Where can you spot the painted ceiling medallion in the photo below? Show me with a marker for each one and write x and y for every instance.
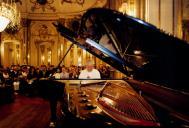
(80, 6)
(42, 4)
(80, 2)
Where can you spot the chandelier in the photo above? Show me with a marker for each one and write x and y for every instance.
(9, 15)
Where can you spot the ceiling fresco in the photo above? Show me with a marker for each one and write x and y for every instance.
(56, 8)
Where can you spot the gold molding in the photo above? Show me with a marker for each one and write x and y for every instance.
(159, 15)
(173, 24)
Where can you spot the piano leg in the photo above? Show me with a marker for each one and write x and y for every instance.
(53, 109)
(53, 91)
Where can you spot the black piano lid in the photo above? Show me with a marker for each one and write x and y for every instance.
(141, 50)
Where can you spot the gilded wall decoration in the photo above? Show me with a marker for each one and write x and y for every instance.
(79, 2)
(185, 26)
(44, 33)
(42, 4)
(185, 20)
(44, 43)
(17, 1)
(128, 7)
(185, 9)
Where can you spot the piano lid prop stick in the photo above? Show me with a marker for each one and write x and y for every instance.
(65, 54)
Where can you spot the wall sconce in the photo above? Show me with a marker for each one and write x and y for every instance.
(128, 7)
(49, 56)
(42, 59)
(28, 56)
(79, 61)
(123, 8)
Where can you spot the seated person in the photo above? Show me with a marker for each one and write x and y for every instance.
(89, 72)
(5, 74)
(64, 74)
(57, 74)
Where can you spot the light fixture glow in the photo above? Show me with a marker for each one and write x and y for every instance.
(128, 8)
(42, 58)
(28, 56)
(9, 15)
(3, 23)
(137, 52)
(123, 8)
(79, 61)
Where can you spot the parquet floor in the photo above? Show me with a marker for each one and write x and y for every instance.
(25, 112)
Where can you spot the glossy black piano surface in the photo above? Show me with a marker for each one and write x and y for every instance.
(155, 64)
(142, 50)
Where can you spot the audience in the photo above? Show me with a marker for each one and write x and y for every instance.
(26, 72)
(64, 74)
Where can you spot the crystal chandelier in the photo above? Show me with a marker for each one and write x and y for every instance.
(9, 15)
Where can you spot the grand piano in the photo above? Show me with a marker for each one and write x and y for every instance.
(155, 91)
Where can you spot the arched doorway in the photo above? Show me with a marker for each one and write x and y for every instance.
(10, 53)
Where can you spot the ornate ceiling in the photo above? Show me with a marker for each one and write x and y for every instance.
(53, 9)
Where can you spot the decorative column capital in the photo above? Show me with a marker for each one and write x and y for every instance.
(25, 22)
